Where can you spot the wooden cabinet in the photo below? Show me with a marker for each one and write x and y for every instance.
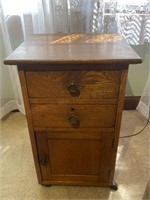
(73, 91)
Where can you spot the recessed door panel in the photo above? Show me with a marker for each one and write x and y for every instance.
(75, 156)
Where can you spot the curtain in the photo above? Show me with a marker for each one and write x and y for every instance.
(10, 91)
(130, 18)
(144, 104)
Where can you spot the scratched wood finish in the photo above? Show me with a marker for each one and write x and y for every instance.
(91, 84)
(93, 116)
(30, 125)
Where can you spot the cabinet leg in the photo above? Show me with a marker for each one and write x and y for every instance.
(114, 186)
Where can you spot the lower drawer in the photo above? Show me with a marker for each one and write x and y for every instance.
(68, 116)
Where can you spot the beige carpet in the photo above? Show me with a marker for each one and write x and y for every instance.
(17, 174)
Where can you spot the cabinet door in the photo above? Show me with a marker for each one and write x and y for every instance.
(75, 157)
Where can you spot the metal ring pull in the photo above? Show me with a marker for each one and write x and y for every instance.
(74, 121)
(73, 89)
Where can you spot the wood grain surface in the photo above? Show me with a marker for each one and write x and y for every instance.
(87, 48)
(91, 84)
(93, 116)
(71, 159)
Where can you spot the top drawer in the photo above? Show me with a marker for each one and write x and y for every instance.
(73, 85)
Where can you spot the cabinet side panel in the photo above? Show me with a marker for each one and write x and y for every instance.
(106, 154)
(118, 122)
(29, 121)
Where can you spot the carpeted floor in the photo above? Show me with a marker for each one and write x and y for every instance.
(17, 173)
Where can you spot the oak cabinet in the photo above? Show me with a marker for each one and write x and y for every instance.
(73, 88)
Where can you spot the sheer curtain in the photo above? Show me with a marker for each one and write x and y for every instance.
(10, 91)
(130, 18)
(144, 104)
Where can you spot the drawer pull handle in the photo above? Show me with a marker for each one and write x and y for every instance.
(74, 121)
(73, 90)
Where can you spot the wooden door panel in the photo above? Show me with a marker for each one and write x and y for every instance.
(84, 157)
(74, 157)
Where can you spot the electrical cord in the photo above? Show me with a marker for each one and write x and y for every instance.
(148, 120)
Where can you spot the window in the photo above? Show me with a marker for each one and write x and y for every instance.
(17, 7)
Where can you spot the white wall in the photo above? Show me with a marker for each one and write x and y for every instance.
(138, 73)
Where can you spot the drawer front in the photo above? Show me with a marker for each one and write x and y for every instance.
(79, 85)
(61, 116)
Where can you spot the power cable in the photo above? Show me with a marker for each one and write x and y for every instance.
(148, 120)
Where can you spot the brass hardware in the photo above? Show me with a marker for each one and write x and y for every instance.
(73, 89)
(74, 121)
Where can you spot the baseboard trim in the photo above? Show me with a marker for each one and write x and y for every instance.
(131, 102)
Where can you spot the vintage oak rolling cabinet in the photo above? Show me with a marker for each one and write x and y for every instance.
(73, 88)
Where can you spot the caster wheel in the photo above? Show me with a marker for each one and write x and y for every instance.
(114, 186)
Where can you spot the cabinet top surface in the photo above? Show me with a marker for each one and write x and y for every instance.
(73, 48)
